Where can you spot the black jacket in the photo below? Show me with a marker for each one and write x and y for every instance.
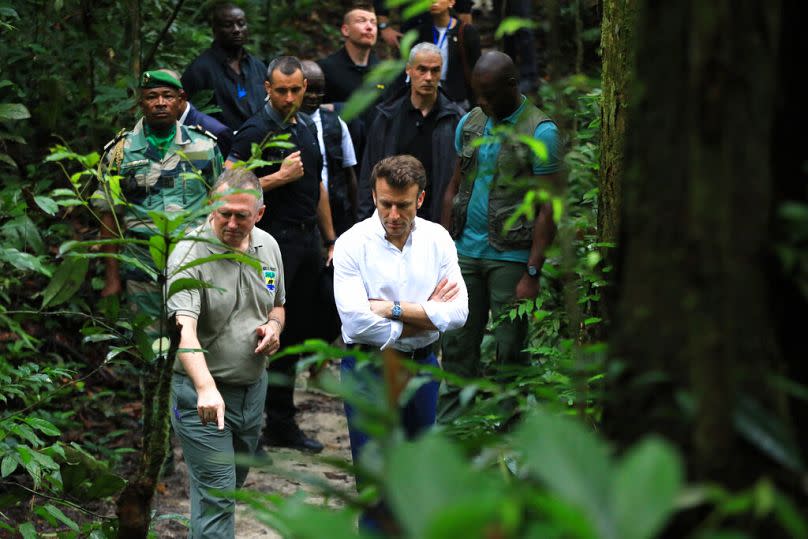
(224, 135)
(382, 142)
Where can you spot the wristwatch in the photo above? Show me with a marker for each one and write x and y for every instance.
(382, 25)
(396, 312)
(532, 271)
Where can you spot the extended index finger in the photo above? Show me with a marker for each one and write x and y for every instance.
(220, 417)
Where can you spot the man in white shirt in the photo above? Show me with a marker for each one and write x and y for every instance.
(397, 284)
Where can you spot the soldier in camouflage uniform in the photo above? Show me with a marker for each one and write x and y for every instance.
(163, 166)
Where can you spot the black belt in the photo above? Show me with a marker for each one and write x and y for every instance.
(419, 354)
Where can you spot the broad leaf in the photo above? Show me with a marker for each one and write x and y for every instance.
(187, 283)
(158, 251)
(67, 280)
(46, 204)
(579, 465)
(13, 111)
(44, 426)
(429, 478)
(646, 485)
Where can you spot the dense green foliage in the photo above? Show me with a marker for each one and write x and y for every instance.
(505, 463)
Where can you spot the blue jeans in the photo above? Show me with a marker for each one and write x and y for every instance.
(416, 417)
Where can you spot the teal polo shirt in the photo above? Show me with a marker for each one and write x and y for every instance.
(473, 242)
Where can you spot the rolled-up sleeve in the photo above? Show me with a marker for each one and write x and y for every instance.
(359, 323)
(447, 315)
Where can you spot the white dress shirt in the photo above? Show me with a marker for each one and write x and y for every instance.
(367, 266)
(348, 153)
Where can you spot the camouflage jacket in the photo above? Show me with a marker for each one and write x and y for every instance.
(179, 181)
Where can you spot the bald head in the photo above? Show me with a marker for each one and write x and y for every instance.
(495, 82)
(311, 70)
(315, 89)
(498, 65)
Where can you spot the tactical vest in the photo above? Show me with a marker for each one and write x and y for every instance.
(341, 211)
(295, 202)
(510, 183)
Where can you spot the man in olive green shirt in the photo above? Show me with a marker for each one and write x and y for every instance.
(226, 331)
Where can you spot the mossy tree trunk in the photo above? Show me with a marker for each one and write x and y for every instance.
(698, 332)
(617, 35)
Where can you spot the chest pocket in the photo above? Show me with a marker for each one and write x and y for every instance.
(138, 179)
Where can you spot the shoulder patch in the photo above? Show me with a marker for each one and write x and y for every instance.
(122, 133)
(200, 129)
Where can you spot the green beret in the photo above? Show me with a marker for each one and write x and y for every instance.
(158, 79)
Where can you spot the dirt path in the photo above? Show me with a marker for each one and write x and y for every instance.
(319, 415)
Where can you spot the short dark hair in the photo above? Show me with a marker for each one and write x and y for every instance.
(217, 7)
(364, 6)
(399, 171)
(286, 64)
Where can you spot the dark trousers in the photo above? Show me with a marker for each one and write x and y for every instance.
(300, 251)
(416, 416)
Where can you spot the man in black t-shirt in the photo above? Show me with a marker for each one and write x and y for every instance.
(297, 204)
(236, 77)
(345, 69)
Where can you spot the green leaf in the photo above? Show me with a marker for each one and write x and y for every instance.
(27, 531)
(99, 337)
(10, 463)
(5, 158)
(13, 111)
(768, 433)
(46, 204)
(158, 251)
(648, 481)
(415, 8)
(360, 100)
(430, 477)
(581, 465)
(67, 280)
(237, 257)
(511, 25)
(45, 427)
(24, 261)
(60, 516)
(186, 283)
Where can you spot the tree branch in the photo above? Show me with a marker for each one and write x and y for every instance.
(169, 22)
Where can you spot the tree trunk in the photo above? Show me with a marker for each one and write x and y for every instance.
(617, 35)
(696, 324)
(134, 39)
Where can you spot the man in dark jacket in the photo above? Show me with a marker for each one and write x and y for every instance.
(419, 121)
(235, 77)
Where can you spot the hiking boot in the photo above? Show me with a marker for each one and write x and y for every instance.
(293, 438)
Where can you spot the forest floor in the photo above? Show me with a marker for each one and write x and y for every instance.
(321, 416)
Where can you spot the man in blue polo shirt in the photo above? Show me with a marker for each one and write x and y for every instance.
(490, 181)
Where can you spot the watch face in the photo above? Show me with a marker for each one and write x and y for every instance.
(532, 271)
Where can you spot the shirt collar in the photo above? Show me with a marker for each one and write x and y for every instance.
(275, 117)
(138, 137)
(514, 116)
(221, 56)
(185, 113)
(378, 228)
